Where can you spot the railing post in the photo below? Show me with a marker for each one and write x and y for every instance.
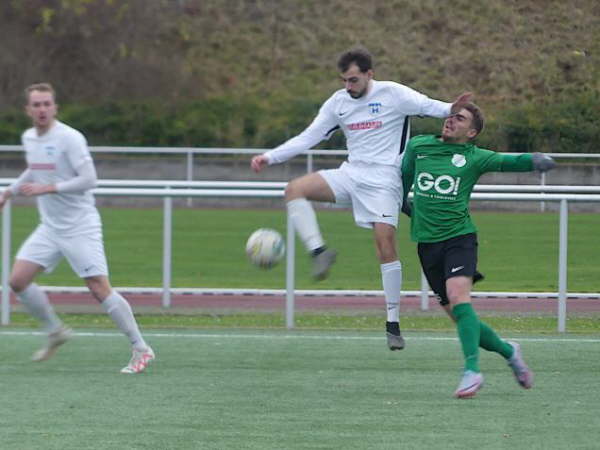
(562, 266)
(290, 259)
(190, 172)
(309, 163)
(424, 293)
(167, 234)
(6, 231)
(542, 184)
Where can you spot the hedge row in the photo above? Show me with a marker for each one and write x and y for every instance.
(571, 126)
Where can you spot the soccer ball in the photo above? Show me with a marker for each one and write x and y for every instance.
(265, 248)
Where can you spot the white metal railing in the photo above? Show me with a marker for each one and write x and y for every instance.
(189, 152)
(168, 193)
(278, 185)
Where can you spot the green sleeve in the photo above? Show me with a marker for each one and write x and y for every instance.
(408, 169)
(498, 162)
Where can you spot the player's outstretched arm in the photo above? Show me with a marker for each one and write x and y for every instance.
(542, 163)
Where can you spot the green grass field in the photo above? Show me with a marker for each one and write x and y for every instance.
(518, 252)
(305, 390)
(242, 381)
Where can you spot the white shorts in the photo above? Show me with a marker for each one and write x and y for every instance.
(84, 252)
(374, 191)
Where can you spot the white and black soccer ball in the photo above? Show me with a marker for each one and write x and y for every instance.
(265, 248)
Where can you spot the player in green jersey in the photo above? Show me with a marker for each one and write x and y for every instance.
(444, 170)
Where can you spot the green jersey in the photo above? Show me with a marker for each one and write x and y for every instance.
(444, 175)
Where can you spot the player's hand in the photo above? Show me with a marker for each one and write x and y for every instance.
(543, 162)
(30, 189)
(259, 162)
(461, 100)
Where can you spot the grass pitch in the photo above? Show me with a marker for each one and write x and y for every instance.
(518, 252)
(302, 390)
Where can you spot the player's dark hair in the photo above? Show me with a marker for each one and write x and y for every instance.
(42, 87)
(478, 119)
(359, 56)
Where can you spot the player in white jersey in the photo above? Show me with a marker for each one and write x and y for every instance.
(60, 173)
(374, 116)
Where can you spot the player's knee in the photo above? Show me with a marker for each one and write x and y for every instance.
(99, 287)
(458, 294)
(18, 284)
(386, 255)
(458, 290)
(386, 249)
(293, 190)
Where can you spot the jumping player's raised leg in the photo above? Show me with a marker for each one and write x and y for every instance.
(298, 194)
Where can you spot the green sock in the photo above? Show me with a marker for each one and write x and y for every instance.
(490, 341)
(467, 324)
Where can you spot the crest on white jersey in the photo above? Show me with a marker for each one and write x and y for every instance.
(375, 107)
(458, 160)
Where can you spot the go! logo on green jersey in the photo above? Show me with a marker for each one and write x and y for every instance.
(444, 184)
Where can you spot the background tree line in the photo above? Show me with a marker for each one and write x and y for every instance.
(250, 73)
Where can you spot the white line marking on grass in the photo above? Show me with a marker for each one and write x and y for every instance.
(109, 334)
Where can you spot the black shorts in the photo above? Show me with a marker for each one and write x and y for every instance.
(453, 257)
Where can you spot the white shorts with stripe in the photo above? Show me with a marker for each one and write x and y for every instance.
(373, 190)
(84, 252)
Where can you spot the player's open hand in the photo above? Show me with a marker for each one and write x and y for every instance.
(259, 162)
(461, 100)
(30, 189)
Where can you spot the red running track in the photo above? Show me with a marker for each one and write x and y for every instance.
(583, 306)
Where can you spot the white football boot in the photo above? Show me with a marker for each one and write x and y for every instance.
(139, 361)
(55, 340)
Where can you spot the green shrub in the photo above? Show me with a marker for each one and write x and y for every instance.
(569, 125)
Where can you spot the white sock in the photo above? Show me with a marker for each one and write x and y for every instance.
(391, 276)
(119, 310)
(37, 304)
(304, 219)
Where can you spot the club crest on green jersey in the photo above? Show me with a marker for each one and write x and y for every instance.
(458, 160)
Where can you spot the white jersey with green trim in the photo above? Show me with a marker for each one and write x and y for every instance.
(51, 158)
(376, 125)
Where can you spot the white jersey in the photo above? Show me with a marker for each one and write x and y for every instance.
(54, 157)
(376, 125)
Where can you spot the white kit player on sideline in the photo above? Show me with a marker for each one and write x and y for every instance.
(374, 116)
(60, 173)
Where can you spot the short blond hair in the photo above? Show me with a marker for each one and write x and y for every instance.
(41, 87)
